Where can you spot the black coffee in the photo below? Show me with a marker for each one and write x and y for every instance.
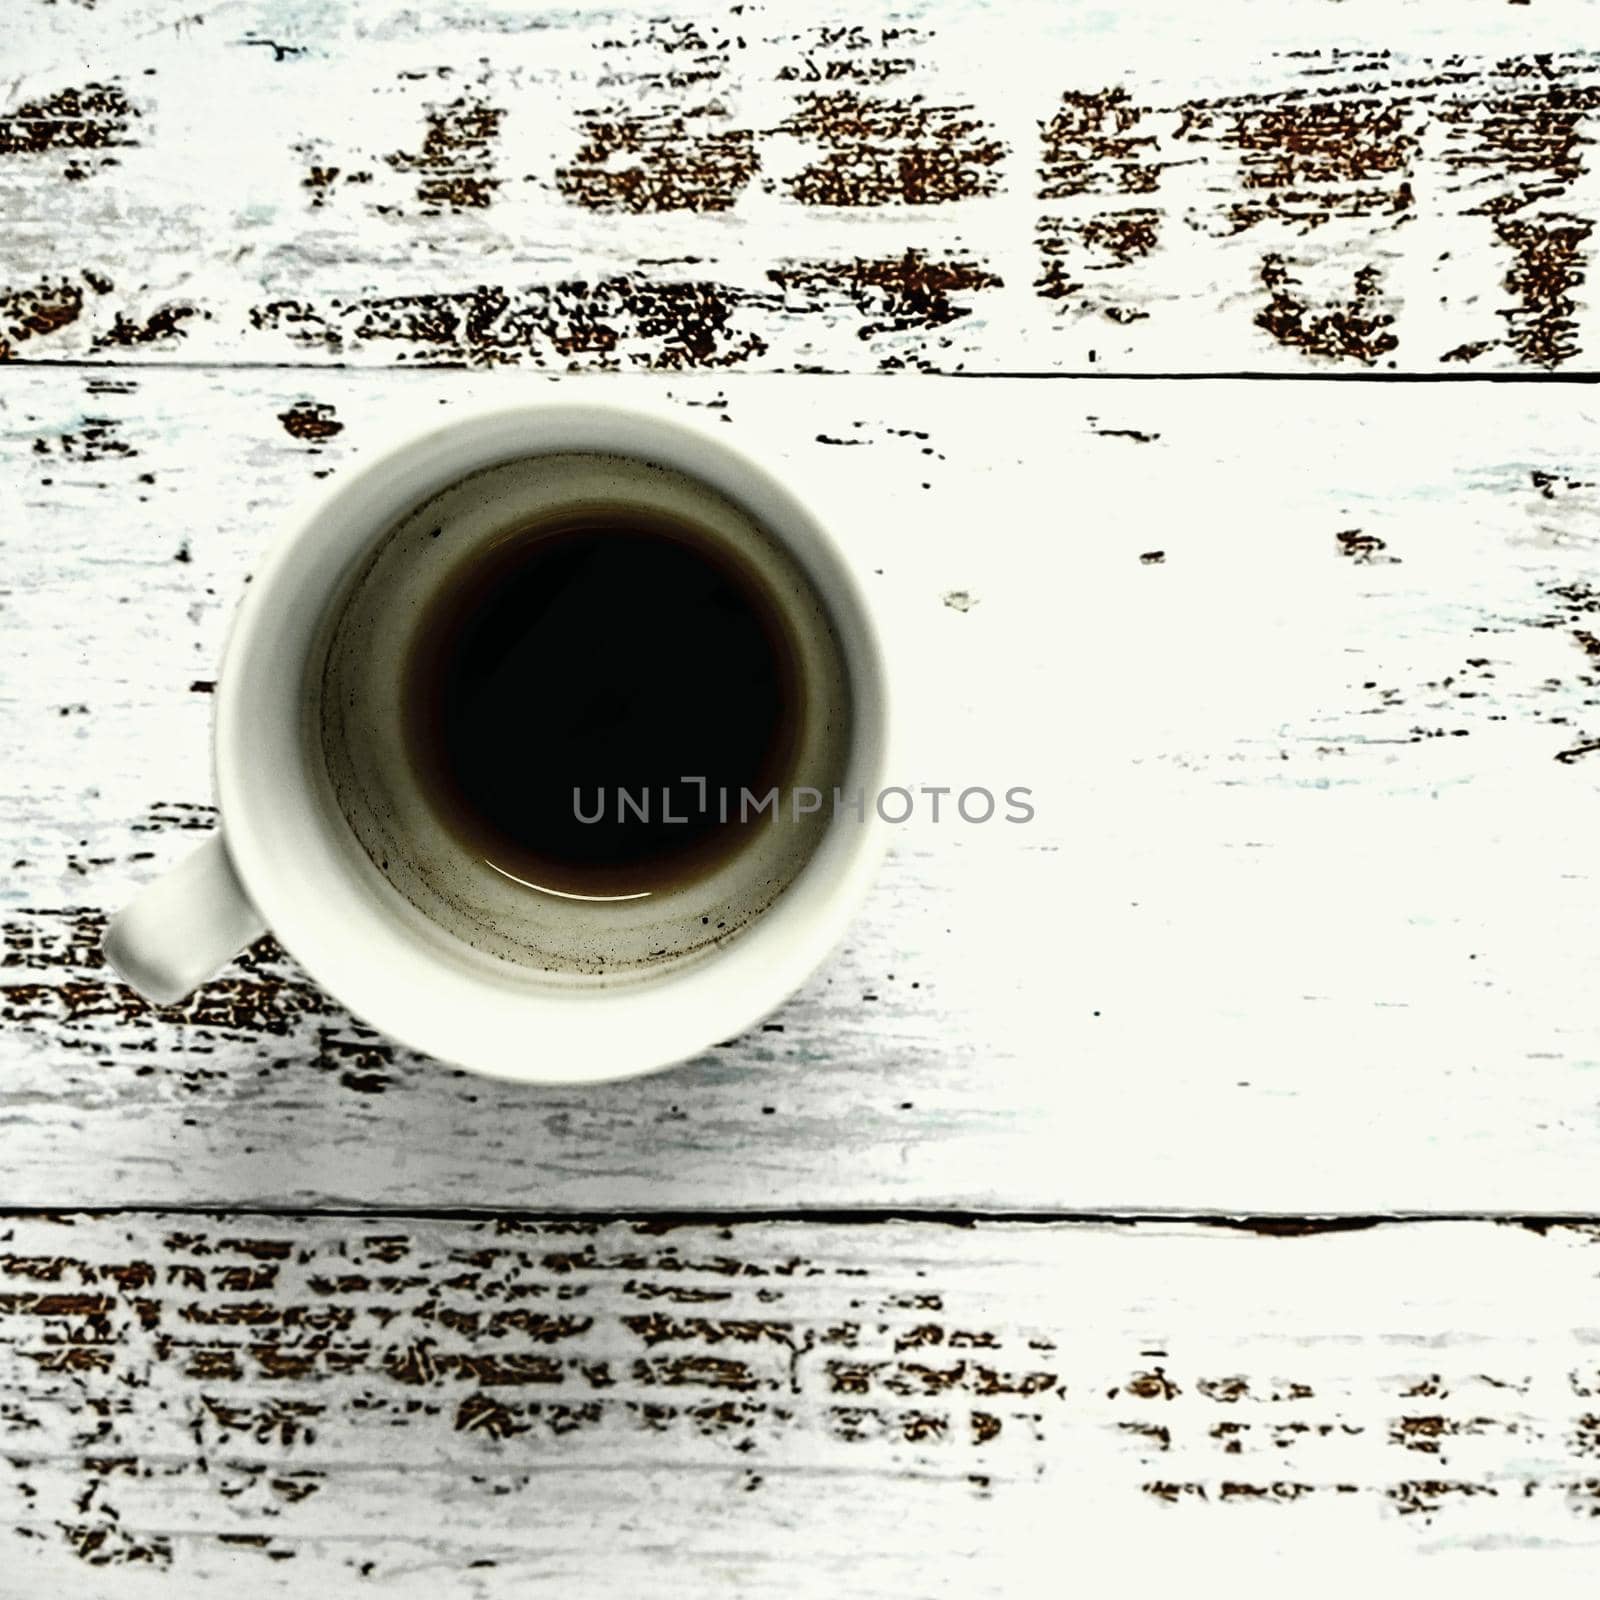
(608, 652)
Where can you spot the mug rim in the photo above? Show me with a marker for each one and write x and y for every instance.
(356, 936)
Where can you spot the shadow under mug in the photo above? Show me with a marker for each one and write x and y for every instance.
(287, 857)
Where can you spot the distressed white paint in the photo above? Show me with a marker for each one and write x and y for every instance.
(1277, 940)
(303, 1405)
(208, 207)
(1305, 921)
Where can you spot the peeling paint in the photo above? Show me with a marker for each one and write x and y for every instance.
(881, 152)
(897, 294)
(648, 161)
(455, 165)
(37, 311)
(611, 323)
(164, 323)
(1095, 144)
(95, 117)
(311, 421)
(1355, 329)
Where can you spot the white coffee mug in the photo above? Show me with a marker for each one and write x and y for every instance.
(434, 963)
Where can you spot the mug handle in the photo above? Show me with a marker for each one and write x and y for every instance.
(183, 928)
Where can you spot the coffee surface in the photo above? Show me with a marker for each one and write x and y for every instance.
(586, 700)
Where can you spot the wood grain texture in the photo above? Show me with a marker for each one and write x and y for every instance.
(293, 1405)
(1305, 691)
(1304, 679)
(939, 185)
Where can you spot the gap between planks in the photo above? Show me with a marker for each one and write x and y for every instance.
(667, 379)
(1281, 1225)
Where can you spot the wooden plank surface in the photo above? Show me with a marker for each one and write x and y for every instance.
(1305, 691)
(1303, 677)
(1039, 186)
(294, 1405)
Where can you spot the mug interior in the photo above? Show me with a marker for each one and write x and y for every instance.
(356, 681)
(403, 965)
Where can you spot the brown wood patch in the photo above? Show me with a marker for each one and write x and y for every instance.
(659, 161)
(96, 117)
(881, 151)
